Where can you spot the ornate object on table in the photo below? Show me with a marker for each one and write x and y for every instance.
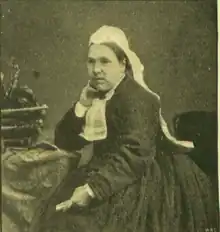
(22, 117)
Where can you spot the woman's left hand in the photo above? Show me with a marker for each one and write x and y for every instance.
(80, 198)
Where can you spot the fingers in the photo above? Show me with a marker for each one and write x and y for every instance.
(86, 97)
(80, 198)
(64, 206)
(90, 92)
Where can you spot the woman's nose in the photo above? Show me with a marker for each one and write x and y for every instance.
(97, 68)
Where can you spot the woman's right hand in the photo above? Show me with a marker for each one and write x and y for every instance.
(87, 96)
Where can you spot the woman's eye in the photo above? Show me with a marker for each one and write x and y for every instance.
(90, 61)
(105, 61)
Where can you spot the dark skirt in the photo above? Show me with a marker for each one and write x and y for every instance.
(174, 195)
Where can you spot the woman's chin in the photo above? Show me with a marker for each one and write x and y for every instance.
(103, 87)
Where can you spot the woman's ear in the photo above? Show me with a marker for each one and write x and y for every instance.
(123, 65)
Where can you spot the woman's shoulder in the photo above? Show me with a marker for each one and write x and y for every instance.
(132, 100)
(132, 92)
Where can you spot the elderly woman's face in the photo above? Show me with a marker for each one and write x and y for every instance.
(104, 68)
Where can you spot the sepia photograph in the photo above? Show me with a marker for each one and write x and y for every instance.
(109, 117)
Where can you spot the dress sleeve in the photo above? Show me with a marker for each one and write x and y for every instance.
(68, 129)
(133, 152)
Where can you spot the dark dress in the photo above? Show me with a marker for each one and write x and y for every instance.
(140, 184)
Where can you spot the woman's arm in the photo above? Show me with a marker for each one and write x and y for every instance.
(68, 129)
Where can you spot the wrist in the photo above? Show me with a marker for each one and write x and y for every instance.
(80, 110)
(89, 191)
(85, 103)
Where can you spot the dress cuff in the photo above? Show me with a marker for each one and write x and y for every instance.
(80, 110)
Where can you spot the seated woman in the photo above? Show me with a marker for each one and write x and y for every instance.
(134, 182)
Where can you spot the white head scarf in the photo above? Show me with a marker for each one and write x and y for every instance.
(110, 34)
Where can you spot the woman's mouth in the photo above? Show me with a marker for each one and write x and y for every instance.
(98, 80)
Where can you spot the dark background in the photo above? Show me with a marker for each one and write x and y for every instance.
(176, 41)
